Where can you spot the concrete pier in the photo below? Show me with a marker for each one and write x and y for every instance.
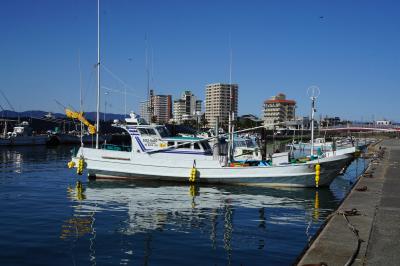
(375, 201)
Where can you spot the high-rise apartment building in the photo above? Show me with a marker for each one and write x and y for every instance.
(162, 108)
(278, 109)
(158, 109)
(220, 100)
(187, 107)
(145, 111)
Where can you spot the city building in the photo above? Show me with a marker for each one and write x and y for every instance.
(299, 123)
(278, 109)
(145, 112)
(186, 108)
(220, 100)
(330, 121)
(383, 123)
(158, 109)
(248, 121)
(162, 106)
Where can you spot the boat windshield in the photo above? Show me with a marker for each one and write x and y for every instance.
(245, 143)
(147, 131)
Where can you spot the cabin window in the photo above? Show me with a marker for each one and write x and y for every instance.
(196, 146)
(121, 143)
(147, 131)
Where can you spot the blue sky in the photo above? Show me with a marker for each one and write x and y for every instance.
(350, 49)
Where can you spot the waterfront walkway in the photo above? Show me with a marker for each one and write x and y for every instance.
(373, 209)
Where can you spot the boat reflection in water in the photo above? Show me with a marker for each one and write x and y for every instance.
(182, 224)
(21, 159)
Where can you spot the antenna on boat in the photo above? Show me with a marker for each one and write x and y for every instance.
(125, 101)
(313, 93)
(98, 76)
(149, 94)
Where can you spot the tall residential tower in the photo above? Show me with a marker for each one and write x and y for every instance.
(220, 100)
(158, 109)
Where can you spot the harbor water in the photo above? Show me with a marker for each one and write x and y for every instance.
(42, 222)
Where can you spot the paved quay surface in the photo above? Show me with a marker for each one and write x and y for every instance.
(376, 200)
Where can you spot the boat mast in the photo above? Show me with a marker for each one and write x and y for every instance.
(231, 114)
(98, 76)
(312, 124)
(80, 94)
(149, 94)
(313, 92)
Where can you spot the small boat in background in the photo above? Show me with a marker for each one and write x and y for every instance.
(22, 134)
(71, 139)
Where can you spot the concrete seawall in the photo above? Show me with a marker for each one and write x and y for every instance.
(365, 230)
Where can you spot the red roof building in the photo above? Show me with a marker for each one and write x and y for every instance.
(278, 109)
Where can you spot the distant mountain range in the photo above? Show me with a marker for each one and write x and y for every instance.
(41, 114)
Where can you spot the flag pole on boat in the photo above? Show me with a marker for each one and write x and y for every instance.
(313, 92)
(98, 76)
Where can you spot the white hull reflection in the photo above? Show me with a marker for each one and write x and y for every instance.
(153, 207)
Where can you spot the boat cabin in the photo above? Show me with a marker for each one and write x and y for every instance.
(22, 129)
(146, 138)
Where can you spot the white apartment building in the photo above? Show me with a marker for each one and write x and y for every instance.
(162, 106)
(220, 100)
(278, 109)
(158, 109)
(186, 108)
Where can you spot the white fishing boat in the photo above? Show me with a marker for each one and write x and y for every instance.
(330, 147)
(22, 135)
(154, 155)
(319, 143)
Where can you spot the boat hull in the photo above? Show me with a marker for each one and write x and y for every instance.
(24, 141)
(124, 165)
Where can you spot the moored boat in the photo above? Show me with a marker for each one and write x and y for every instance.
(22, 135)
(154, 155)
